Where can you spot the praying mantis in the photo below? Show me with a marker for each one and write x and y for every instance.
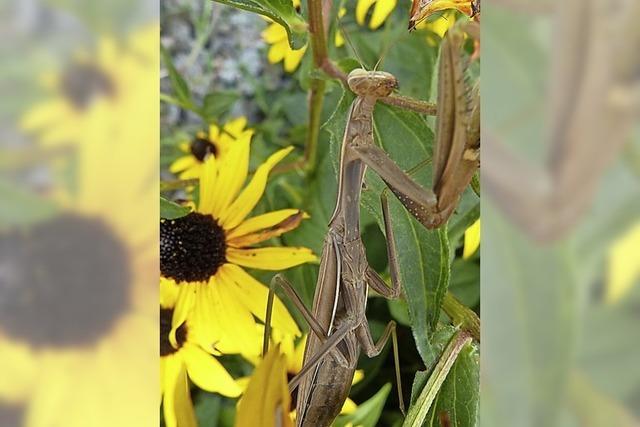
(338, 323)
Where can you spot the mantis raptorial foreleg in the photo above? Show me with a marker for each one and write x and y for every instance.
(457, 147)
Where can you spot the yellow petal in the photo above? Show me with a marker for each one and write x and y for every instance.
(208, 181)
(254, 294)
(232, 172)
(248, 198)
(471, 240)
(178, 409)
(214, 132)
(223, 321)
(292, 59)
(236, 126)
(207, 373)
(339, 40)
(274, 33)
(361, 10)
(169, 292)
(276, 229)
(261, 222)
(267, 396)
(277, 52)
(183, 163)
(349, 407)
(381, 12)
(623, 266)
(270, 258)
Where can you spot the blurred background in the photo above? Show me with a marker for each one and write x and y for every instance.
(78, 185)
(561, 216)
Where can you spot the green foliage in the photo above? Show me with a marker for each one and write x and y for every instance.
(171, 210)
(22, 207)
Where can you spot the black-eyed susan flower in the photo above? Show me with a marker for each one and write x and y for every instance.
(381, 11)
(96, 96)
(214, 143)
(184, 358)
(266, 401)
(206, 251)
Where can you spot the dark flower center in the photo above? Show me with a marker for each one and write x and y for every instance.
(201, 148)
(64, 282)
(166, 314)
(11, 414)
(82, 83)
(192, 248)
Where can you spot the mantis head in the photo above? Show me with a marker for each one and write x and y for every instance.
(378, 83)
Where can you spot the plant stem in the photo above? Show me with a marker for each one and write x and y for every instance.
(316, 101)
(318, 86)
(418, 412)
(461, 315)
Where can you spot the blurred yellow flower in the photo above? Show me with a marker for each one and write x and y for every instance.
(266, 401)
(276, 36)
(189, 358)
(205, 251)
(216, 143)
(339, 39)
(381, 11)
(623, 271)
(439, 27)
(97, 96)
(471, 240)
(77, 332)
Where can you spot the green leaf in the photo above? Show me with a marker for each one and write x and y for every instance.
(281, 11)
(22, 207)
(178, 83)
(214, 105)
(171, 210)
(368, 413)
(435, 393)
(459, 395)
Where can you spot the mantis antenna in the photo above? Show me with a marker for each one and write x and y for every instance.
(346, 36)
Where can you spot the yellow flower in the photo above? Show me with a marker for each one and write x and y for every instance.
(94, 95)
(623, 266)
(77, 332)
(216, 143)
(339, 39)
(276, 36)
(381, 11)
(471, 240)
(186, 359)
(266, 402)
(205, 252)
(422, 9)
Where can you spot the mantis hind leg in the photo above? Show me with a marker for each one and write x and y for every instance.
(373, 349)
